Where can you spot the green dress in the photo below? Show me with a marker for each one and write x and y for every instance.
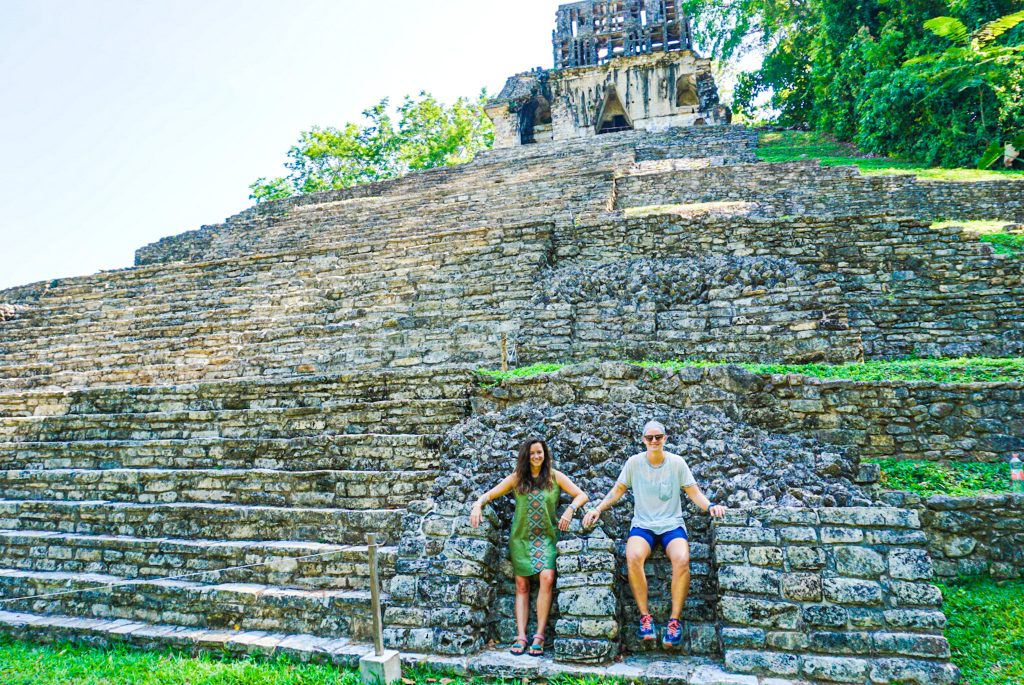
(534, 531)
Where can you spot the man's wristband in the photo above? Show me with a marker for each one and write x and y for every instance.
(710, 504)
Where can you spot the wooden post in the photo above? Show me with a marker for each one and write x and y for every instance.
(378, 628)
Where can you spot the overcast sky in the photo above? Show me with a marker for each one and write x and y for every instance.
(123, 121)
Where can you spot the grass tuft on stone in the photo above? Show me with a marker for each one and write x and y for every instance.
(792, 146)
(958, 370)
(986, 630)
(928, 478)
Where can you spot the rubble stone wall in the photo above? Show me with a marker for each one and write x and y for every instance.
(971, 536)
(890, 419)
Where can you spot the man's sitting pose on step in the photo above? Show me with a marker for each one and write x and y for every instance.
(656, 477)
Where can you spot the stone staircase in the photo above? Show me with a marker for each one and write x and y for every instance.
(152, 490)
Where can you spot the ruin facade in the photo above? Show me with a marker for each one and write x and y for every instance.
(619, 66)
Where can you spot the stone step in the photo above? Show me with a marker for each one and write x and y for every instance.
(321, 349)
(350, 256)
(306, 565)
(245, 393)
(386, 305)
(361, 452)
(647, 669)
(251, 487)
(237, 606)
(394, 417)
(203, 521)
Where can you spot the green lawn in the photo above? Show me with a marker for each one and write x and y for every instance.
(986, 630)
(790, 146)
(965, 369)
(930, 478)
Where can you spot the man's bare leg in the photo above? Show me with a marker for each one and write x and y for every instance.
(637, 551)
(678, 552)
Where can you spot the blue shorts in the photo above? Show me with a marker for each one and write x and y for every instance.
(658, 538)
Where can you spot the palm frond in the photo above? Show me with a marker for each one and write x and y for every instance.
(997, 27)
(951, 28)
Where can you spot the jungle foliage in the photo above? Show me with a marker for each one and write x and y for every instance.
(871, 73)
(426, 134)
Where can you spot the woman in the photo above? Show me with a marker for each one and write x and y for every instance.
(532, 542)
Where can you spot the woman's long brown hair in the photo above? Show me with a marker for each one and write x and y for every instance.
(527, 482)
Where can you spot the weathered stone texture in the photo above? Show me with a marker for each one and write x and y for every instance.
(830, 620)
(912, 420)
(968, 536)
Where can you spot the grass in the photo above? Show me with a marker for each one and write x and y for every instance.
(986, 630)
(927, 478)
(960, 370)
(789, 146)
(25, 663)
(1006, 243)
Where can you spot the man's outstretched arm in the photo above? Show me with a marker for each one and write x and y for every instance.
(698, 498)
(613, 496)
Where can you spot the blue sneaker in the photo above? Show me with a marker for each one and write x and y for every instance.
(673, 634)
(647, 632)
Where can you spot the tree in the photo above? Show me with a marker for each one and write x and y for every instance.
(974, 60)
(841, 66)
(427, 135)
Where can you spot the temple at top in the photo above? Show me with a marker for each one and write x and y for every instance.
(619, 65)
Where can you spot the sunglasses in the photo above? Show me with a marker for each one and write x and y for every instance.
(654, 438)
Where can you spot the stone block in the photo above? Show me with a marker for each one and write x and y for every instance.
(730, 554)
(849, 591)
(913, 672)
(762, 662)
(766, 556)
(585, 651)
(383, 669)
(805, 558)
(841, 642)
(835, 534)
(910, 564)
(759, 613)
(908, 594)
(910, 644)
(798, 534)
(825, 615)
(748, 579)
(835, 669)
(877, 517)
(743, 638)
(858, 562)
(598, 602)
(802, 587)
(787, 641)
(915, 619)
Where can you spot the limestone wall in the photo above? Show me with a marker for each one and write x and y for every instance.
(910, 289)
(830, 594)
(971, 536)
(799, 188)
(909, 420)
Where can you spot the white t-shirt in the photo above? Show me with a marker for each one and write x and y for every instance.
(657, 492)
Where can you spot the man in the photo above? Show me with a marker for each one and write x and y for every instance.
(656, 477)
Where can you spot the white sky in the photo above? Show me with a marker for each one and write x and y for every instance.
(123, 121)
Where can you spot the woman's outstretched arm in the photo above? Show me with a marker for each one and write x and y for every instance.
(579, 498)
(502, 488)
